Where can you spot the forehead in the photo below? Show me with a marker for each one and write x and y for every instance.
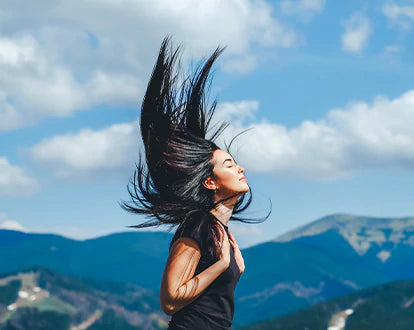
(220, 155)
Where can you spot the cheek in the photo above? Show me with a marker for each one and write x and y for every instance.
(229, 178)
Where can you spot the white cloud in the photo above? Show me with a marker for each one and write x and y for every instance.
(61, 59)
(242, 64)
(89, 150)
(346, 141)
(8, 224)
(393, 53)
(11, 225)
(70, 231)
(33, 85)
(114, 147)
(392, 49)
(361, 136)
(14, 180)
(357, 31)
(305, 9)
(401, 16)
(236, 112)
(84, 232)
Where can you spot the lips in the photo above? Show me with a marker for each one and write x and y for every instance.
(242, 178)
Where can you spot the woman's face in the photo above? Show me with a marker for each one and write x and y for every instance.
(229, 177)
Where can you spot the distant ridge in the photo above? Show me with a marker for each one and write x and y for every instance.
(360, 231)
(116, 257)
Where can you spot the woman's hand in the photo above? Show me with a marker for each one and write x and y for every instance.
(237, 253)
(225, 247)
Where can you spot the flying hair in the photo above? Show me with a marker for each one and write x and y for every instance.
(167, 185)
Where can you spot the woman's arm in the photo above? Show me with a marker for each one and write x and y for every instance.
(178, 287)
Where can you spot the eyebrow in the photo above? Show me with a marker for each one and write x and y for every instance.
(227, 160)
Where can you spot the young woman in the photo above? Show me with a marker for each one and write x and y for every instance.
(190, 182)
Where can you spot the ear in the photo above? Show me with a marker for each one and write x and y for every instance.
(209, 184)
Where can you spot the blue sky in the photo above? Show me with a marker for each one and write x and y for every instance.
(326, 85)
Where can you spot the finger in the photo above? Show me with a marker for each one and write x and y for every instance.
(219, 234)
(234, 241)
(232, 238)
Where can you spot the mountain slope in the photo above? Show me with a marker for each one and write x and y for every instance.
(327, 258)
(42, 299)
(117, 257)
(283, 277)
(384, 243)
(389, 306)
(361, 232)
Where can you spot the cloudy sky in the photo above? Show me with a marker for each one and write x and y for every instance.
(325, 86)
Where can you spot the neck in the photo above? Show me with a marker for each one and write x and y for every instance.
(223, 211)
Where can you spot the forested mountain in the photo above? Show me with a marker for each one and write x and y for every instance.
(383, 307)
(40, 299)
(328, 258)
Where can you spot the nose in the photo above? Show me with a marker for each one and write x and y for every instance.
(241, 169)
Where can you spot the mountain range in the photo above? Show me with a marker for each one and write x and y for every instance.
(327, 258)
(331, 257)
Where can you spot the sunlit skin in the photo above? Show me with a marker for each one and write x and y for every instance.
(226, 182)
(229, 179)
(179, 286)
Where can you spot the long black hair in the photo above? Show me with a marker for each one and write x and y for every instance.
(168, 186)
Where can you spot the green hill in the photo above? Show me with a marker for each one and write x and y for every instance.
(38, 298)
(383, 307)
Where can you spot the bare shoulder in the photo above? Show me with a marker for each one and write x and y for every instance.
(180, 268)
(185, 244)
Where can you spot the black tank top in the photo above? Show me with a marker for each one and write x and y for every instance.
(214, 307)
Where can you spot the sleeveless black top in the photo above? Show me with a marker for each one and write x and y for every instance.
(214, 307)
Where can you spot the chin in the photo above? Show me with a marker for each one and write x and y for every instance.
(245, 190)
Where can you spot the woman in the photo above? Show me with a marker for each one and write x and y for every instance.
(192, 183)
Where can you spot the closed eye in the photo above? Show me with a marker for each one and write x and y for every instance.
(230, 160)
